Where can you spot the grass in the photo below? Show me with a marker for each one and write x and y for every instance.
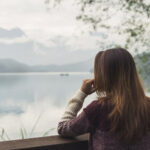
(4, 136)
(23, 132)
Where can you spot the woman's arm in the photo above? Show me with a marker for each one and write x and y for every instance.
(70, 124)
(74, 105)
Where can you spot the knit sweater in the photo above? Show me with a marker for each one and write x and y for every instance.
(93, 120)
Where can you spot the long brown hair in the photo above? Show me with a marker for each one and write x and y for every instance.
(115, 73)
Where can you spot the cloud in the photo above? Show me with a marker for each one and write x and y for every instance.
(54, 50)
(37, 49)
(48, 37)
(32, 17)
(12, 33)
(12, 36)
(22, 39)
(33, 53)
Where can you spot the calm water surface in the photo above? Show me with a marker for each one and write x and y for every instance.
(33, 103)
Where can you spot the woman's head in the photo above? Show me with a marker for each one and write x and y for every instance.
(115, 73)
(114, 68)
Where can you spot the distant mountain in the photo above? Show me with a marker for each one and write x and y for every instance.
(83, 66)
(10, 65)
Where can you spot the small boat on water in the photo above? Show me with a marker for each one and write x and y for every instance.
(64, 74)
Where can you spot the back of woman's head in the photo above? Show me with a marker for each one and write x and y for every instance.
(115, 73)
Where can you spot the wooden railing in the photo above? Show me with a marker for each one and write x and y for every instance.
(47, 143)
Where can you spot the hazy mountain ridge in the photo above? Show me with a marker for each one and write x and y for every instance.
(13, 66)
(10, 65)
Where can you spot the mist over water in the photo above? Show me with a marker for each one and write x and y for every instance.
(26, 97)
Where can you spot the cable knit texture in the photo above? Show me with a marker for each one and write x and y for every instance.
(73, 106)
(93, 120)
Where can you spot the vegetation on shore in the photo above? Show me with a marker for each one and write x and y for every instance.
(24, 133)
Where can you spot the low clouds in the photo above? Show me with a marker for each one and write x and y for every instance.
(12, 33)
(55, 50)
(32, 35)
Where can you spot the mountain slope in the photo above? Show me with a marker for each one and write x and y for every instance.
(10, 65)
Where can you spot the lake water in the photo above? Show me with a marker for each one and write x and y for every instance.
(31, 104)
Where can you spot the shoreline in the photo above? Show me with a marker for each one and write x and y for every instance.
(43, 73)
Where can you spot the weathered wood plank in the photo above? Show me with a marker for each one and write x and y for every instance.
(47, 143)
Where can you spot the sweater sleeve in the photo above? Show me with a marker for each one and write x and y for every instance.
(74, 127)
(74, 105)
(70, 124)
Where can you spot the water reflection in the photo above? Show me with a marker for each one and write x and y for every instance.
(25, 97)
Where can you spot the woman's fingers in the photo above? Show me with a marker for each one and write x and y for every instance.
(88, 86)
(89, 80)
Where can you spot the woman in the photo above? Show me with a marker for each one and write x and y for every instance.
(119, 118)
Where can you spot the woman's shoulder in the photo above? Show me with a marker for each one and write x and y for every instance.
(99, 103)
(96, 107)
(96, 111)
(92, 106)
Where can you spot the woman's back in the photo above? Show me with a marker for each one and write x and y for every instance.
(100, 137)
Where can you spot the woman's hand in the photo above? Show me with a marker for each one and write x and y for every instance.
(88, 86)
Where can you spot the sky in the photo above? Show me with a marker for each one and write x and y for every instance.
(32, 34)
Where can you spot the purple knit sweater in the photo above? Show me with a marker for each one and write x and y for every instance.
(93, 120)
